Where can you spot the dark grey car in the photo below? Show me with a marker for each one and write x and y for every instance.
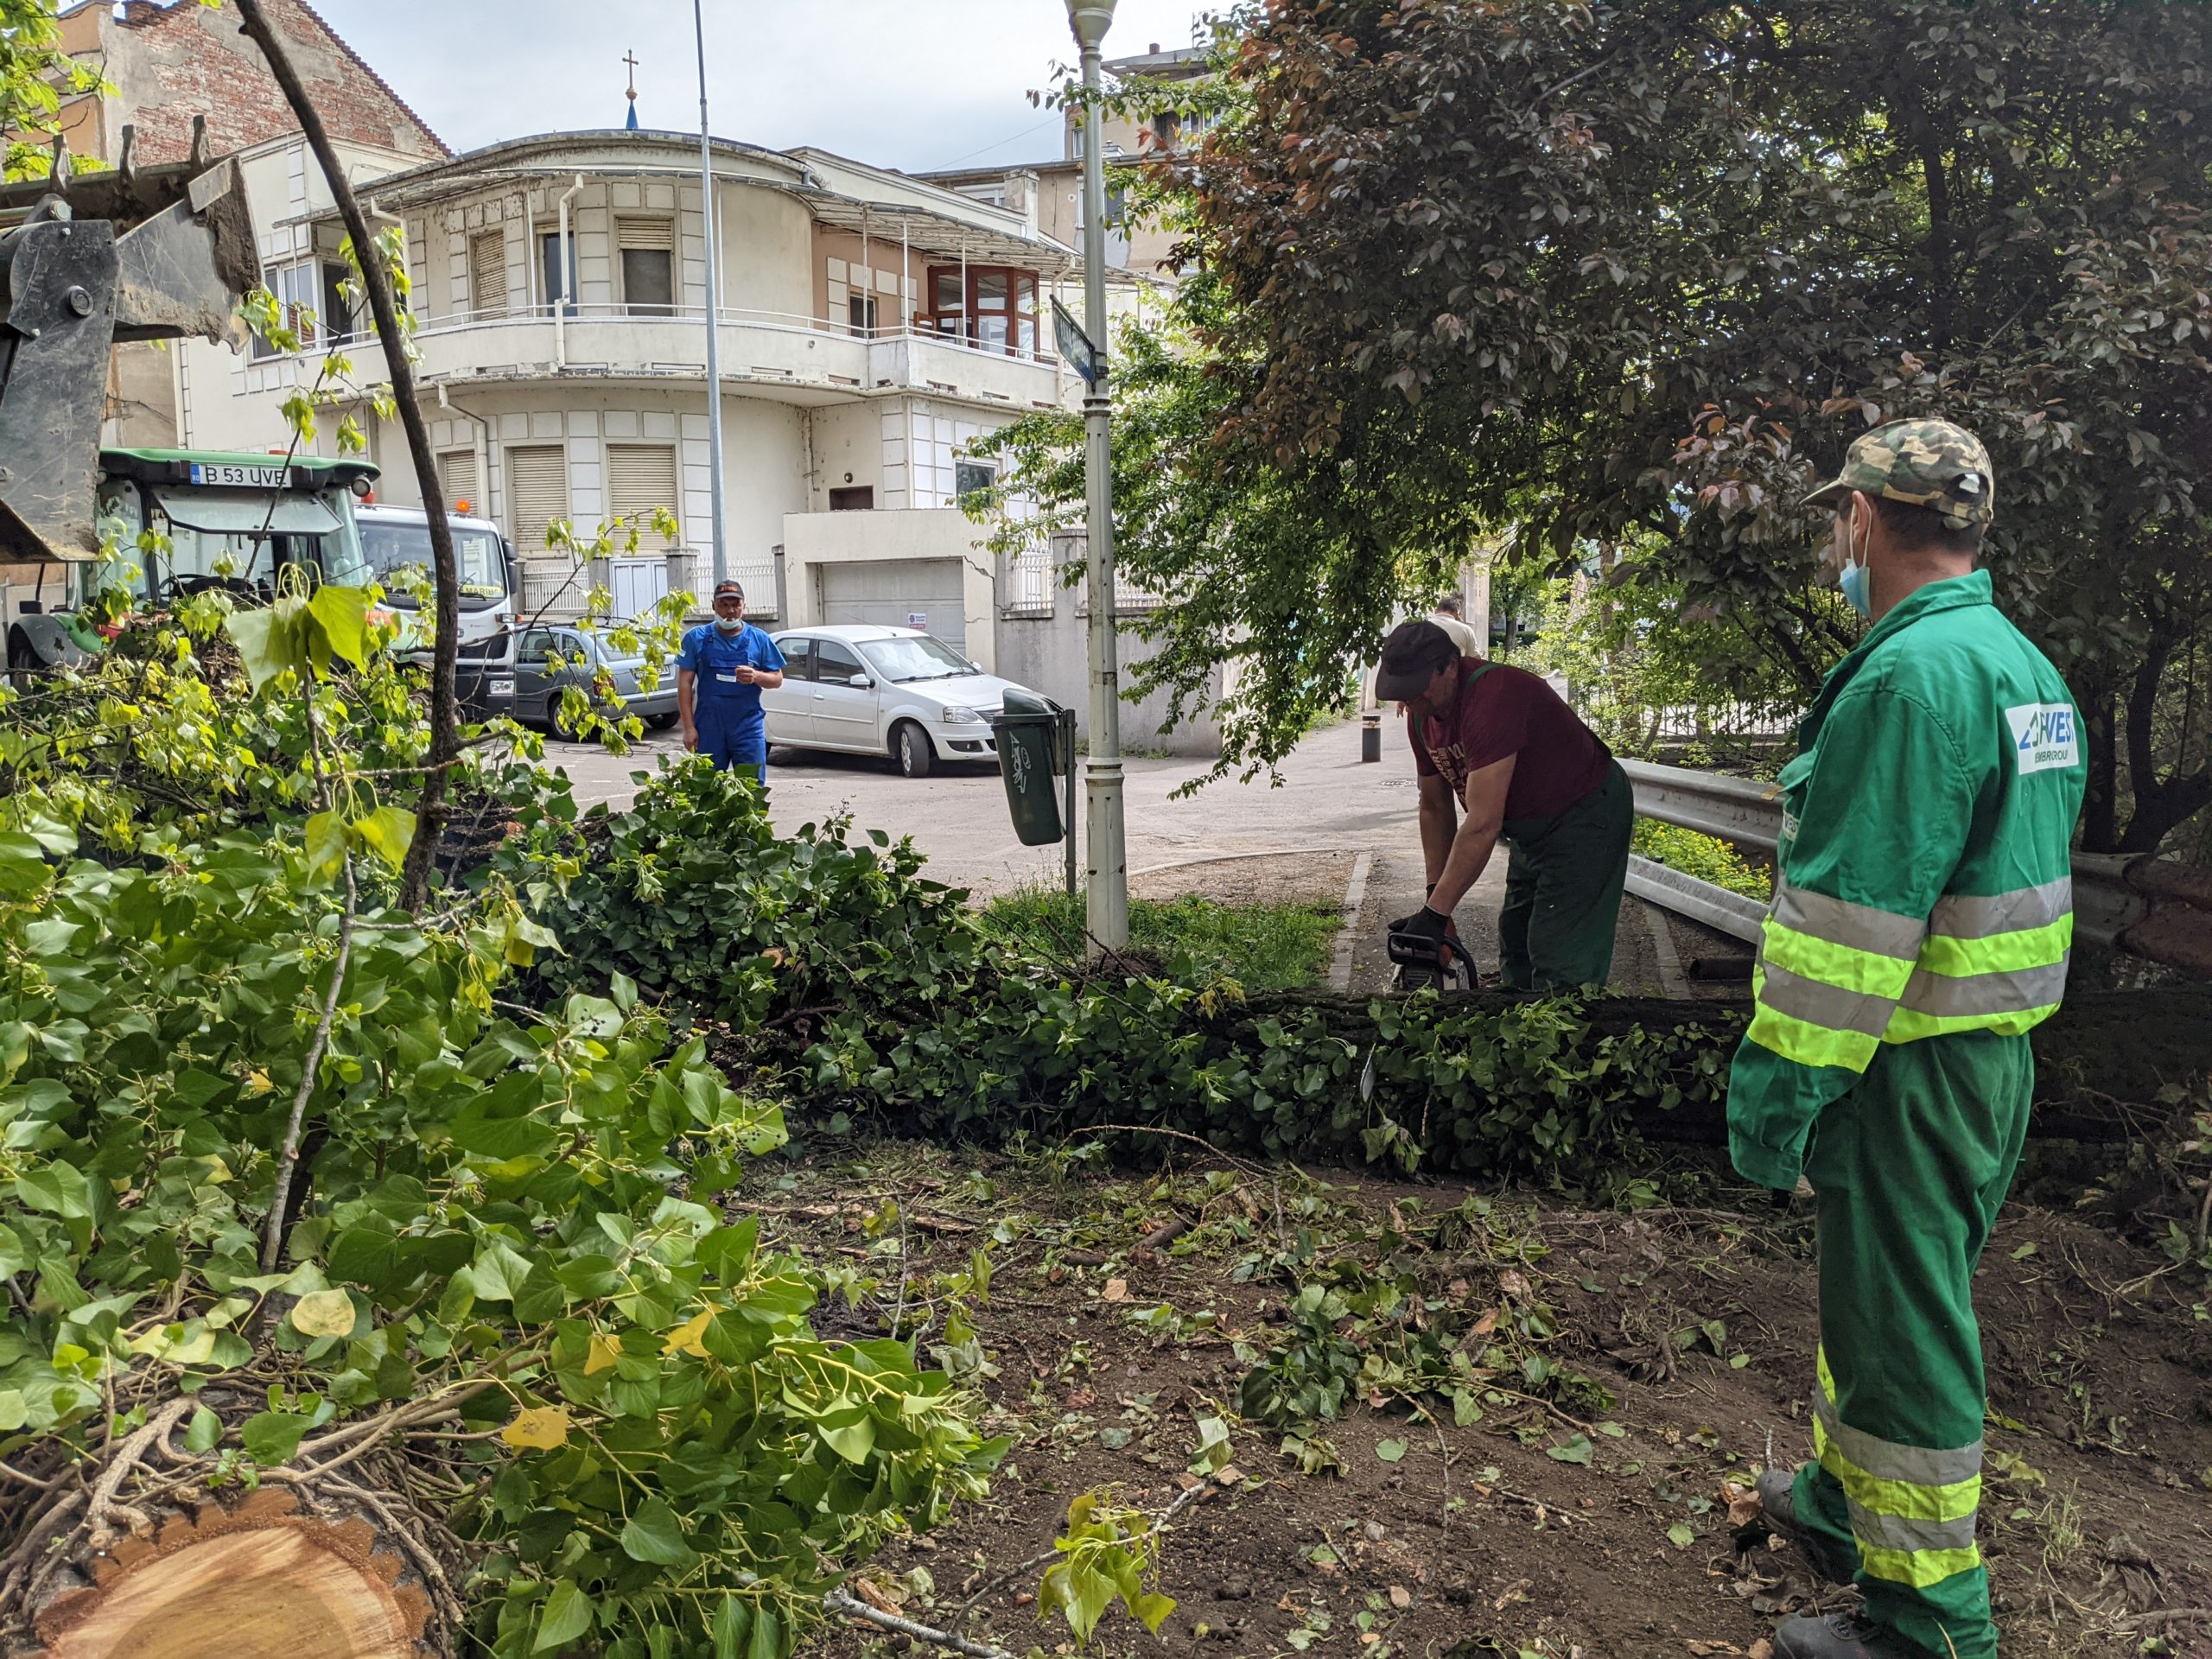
(539, 684)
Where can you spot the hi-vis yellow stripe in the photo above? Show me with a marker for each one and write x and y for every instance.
(1810, 957)
(1918, 1567)
(1900, 1493)
(2000, 953)
(1805, 1043)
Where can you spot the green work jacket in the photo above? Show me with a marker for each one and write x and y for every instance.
(1924, 878)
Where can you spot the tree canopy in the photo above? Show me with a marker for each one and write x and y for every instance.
(1637, 272)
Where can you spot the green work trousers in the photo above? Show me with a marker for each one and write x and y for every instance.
(1911, 1167)
(1563, 880)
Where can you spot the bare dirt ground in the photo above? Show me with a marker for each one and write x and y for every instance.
(1619, 1370)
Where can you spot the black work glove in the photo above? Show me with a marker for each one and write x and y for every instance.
(1423, 924)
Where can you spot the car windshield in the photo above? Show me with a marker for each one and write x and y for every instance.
(392, 547)
(914, 658)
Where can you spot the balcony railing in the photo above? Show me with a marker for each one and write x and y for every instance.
(942, 330)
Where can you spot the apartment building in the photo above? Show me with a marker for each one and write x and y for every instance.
(1049, 192)
(870, 327)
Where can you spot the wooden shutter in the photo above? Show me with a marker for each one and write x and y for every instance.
(538, 493)
(487, 273)
(646, 234)
(641, 477)
(457, 480)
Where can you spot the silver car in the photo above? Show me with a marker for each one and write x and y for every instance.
(873, 690)
(539, 683)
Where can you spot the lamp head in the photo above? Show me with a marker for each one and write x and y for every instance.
(1090, 19)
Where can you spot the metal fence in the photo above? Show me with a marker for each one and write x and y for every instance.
(1033, 580)
(2149, 907)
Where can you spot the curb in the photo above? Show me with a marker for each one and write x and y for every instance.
(1348, 935)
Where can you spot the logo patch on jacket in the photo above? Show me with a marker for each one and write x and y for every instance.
(2045, 736)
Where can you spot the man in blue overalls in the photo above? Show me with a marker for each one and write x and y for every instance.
(720, 671)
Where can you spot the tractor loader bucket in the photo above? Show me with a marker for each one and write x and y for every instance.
(153, 253)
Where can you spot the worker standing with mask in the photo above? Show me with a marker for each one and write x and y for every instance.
(721, 669)
(1920, 925)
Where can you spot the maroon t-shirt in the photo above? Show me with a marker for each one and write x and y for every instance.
(1505, 711)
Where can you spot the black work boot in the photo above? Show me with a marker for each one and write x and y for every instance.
(1778, 1496)
(1842, 1636)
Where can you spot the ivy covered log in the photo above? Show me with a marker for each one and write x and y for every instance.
(835, 974)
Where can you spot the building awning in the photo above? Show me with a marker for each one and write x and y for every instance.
(247, 512)
(935, 234)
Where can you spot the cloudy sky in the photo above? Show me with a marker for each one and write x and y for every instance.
(916, 86)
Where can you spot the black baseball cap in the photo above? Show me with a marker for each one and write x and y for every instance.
(1411, 657)
(729, 585)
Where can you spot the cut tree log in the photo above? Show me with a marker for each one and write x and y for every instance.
(264, 1579)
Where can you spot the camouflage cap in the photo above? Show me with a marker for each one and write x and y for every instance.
(1923, 463)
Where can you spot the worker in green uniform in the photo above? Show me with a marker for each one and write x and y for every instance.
(1922, 916)
(1501, 744)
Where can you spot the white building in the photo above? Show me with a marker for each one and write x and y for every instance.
(871, 326)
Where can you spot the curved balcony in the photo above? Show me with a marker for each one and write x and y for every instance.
(764, 353)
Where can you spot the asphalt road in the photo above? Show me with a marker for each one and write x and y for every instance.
(1326, 800)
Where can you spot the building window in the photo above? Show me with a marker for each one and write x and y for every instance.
(538, 493)
(640, 481)
(560, 286)
(1000, 312)
(648, 251)
(294, 287)
(340, 320)
(487, 274)
(971, 479)
(855, 498)
(861, 315)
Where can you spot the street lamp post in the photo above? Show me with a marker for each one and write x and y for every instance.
(1107, 907)
(713, 318)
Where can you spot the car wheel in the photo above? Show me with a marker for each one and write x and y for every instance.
(555, 726)
(660, 722)
(911, 744)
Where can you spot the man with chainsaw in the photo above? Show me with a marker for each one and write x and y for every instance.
(1922, 919)
(1498, 742)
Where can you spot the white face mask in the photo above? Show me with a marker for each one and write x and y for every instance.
(730, 624)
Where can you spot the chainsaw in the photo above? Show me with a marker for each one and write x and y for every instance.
(1425, 963)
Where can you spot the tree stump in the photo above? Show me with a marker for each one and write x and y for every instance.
(257, 1580)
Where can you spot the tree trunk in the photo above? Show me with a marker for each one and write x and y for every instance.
(263, 1577)
(134, 1546)
(2159, 804)
(2101, 810)
(431, 808)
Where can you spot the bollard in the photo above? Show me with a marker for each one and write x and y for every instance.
(1370, 735)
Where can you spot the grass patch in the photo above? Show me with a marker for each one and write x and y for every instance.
(1263, 947)
(1703, 857)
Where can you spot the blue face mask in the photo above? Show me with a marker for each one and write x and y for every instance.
(730, 624)
(1857, 591)
(1853, 582)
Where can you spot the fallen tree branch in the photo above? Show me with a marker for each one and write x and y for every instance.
(272, 1242)
(850, 1606)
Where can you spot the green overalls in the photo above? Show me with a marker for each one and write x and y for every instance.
(1564, 875)
(1922, 921)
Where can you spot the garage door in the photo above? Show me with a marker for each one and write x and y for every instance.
(892, 592)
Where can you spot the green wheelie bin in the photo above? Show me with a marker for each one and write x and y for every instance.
(1036, 740)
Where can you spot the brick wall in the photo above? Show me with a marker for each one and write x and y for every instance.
(170, 62)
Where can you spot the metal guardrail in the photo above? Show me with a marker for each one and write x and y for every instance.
(2146, 906)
